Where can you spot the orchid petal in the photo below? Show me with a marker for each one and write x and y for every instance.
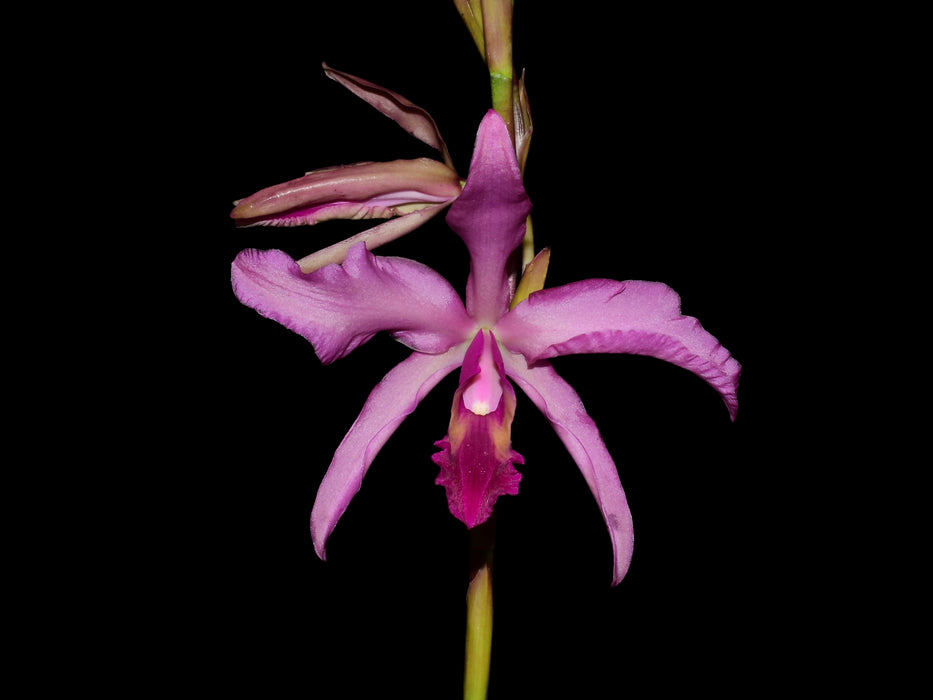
(490, 218)
(394, 398)
(415, 120)
(339, 307)
(641, 318)
(561, 405)
(358, 191)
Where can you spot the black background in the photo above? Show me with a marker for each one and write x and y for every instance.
(669, 147)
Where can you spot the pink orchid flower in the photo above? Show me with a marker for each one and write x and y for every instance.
(339, 307)
(408, 192)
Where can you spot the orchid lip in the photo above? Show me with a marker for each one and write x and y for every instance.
(476, 458)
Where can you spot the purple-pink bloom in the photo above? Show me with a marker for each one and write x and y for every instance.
(338, 307)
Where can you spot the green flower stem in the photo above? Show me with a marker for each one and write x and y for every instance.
(479, 612)
(501, 86)
(497, 31)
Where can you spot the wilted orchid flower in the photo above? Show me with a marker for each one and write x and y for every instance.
(408, 192)
(339, 307)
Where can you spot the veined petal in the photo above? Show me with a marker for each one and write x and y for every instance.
(563, 408)
(358, 191)
(339, 307)
(640, 318)
(415, 120)
(490, 217)
(394, 398)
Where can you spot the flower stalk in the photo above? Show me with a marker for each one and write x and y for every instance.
(497, 31)
(479, 612)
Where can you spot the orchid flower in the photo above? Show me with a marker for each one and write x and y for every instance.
(339, 307)
(408, 192)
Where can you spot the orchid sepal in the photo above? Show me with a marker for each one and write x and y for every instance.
(562, 407)
(490, 217)
(389, 403)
